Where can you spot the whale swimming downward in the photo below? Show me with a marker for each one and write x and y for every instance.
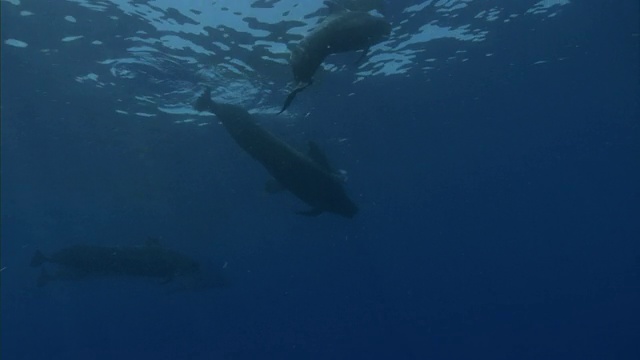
(309, 177)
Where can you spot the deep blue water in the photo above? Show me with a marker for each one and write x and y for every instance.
(499, 210)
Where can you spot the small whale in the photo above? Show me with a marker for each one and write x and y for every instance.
(342, 31)
(87, 261)
(309, 177)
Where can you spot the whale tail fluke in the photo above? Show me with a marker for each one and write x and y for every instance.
(204, 102)
(289, 100)
(293, 94)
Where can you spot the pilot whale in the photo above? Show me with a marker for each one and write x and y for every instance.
(342, 31)
(308, 177)
(85, 261)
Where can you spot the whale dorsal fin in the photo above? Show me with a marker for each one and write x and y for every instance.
(318, 156)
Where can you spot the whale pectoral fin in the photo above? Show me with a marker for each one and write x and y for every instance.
(364, 54)
(310, 213)
(293, 94)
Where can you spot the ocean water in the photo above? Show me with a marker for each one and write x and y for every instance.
(492, 148)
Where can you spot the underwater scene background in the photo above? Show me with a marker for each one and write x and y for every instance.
(491, 147)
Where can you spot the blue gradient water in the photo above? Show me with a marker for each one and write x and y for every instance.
(498, 185)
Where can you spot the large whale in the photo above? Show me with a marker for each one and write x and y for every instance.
(84, 261)
(342, 31)
(309, 177)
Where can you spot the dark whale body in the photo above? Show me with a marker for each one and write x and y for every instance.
(82, 261)
(340, 32)
(307, 177)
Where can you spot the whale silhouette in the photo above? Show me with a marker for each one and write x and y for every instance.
(88, 261)
(342, 31)
(309, 177)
